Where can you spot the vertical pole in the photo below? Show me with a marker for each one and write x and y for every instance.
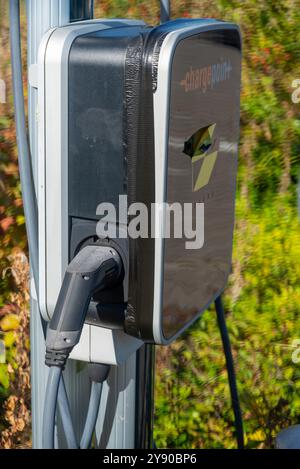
(116, 421)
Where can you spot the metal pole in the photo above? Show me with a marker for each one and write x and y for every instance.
(116, 422)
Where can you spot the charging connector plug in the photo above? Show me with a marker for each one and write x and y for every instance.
(93, 269)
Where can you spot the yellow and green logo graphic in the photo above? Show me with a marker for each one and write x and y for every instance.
(203, 162)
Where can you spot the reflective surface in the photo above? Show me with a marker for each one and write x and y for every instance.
(202, 165)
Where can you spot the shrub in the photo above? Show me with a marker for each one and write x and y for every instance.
(263, 313)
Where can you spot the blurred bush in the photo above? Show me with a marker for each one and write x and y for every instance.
(263, 313)
(263, 299)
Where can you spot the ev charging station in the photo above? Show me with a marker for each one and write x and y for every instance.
(118, 108)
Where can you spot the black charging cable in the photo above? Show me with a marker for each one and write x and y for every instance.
(231, 372)
(165, 12)
(93, 269)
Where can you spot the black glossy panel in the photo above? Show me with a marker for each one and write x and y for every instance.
(202, 165)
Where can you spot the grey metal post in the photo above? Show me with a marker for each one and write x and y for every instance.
(116, 423)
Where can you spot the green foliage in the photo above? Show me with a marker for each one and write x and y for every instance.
(263, 304)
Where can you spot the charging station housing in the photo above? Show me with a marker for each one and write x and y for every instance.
(151, 113)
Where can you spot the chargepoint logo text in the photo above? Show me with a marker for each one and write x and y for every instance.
(181, 221)
(206, 77)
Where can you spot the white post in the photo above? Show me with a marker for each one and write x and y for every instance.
(116, 422)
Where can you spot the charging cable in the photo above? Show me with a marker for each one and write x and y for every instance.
(165, 11)
(231, 372)
(93, 269)
(98, 374)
